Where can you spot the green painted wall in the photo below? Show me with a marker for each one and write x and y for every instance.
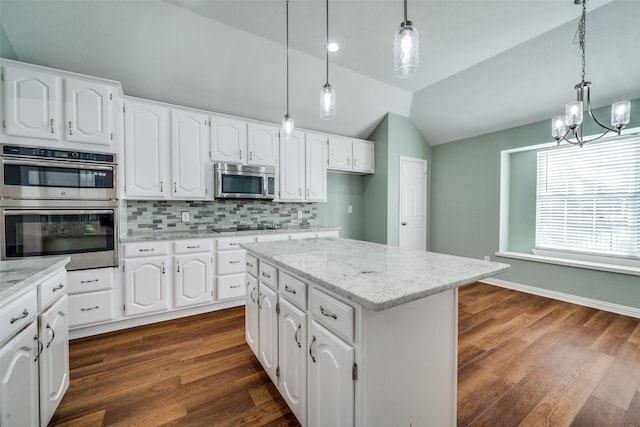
(464, 212)
(6, 50)
(343, 190)
(395, 136)
(522, 201)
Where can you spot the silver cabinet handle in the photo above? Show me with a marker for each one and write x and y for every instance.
(311, 349)
(70, 129)
(348, 161)
(40, 348)
(52, 130)
(307, 192)
(250, 155)
(250, 265)
(299, 191)
(193, 247)
(234, 286)
(163, 271)
(234, 262)
(89, 281)
(259, 305)
(57, 288)
(53, 335)
(295, 336)
(288, 289)
(328, 313)
(264, 274)
(90, 308)
(175, 187)
(178, 264)
(146, 250)
(162, 186)
(251, 293)
(22, 315)
(241, 154)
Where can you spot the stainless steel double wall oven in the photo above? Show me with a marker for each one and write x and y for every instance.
(59, 202)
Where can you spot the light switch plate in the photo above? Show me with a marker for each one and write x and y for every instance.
(185, 216)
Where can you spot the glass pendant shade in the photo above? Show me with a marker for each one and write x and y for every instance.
(573, 112)
(620, 114)
(287, 125)
(327, 102)
(405, 49)
(558, 127)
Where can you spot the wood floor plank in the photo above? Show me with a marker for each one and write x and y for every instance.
(632, 416)
(619, 384)
(597, 412)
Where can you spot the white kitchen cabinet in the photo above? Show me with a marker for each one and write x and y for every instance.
(54, 358)
(88, 111)
(31, 103)
(351, 155)
(316, 167)
(145, 285)
(262, 144)
(189, 141)
(268, 330)
(251, 314)
(146, 149)
(292, 336)
(193, 279)
(330, 377)
(228, 139)
(19, 379)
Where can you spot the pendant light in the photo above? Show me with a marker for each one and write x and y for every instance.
(327, 93)
(567, 128)
(405, 48)
(287, 121)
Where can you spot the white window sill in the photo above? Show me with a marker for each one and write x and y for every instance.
(612, 268)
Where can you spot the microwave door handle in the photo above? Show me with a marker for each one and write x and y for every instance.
(19, 212)
(57, 164)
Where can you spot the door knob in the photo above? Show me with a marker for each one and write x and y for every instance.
(404, 223)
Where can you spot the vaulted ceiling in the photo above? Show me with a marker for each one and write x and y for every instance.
(485, 65)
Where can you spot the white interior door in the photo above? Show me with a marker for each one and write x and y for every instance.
(413, 203)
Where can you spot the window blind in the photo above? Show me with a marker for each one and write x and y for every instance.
(588, 199)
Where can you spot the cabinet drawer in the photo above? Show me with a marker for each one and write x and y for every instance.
(230, 286)
(332, 313)
(231, 243)
(230, 262)
(144, 249)
(252, 265)
(268, 275)
(191, 246)
(52, 289)
(90, 307)
(17, 314)
(293, 289)
(96, 279)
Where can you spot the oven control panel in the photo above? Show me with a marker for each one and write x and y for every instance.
(82, 156)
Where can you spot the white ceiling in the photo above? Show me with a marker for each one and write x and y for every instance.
(496, 63)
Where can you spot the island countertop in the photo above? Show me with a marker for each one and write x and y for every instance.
(19, 274)
(372, 275)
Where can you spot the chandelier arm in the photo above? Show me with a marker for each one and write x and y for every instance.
(580, 140)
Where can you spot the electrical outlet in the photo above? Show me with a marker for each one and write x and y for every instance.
(487, 258)
(299, 214)
(185, 216)
(349, 209)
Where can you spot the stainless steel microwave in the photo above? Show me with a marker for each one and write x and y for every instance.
(244, 182)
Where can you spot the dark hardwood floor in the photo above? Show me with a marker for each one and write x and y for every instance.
(523, 360)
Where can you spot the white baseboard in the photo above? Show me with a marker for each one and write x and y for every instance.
(587, 302)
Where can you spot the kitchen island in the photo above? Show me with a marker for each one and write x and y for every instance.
(357, 333)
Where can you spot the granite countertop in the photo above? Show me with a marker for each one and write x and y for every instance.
(195, 234)
(19, 274)
(372, 275)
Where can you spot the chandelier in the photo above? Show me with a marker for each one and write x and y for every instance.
(405, 48)
(568, 127)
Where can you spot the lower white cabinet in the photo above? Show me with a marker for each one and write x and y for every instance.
(331, 386)
(251, 313)
(268, 330)
(145, 285)
(19, 379)
(193, 279)
(292, 353)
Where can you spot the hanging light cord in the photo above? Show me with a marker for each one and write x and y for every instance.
(405, 13)
(287, 15)
(581, 35)
(327, 45)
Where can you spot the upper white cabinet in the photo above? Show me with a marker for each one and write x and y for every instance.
(351, 155)
(165, 152)
(189, 142)
(237, 141)
(146, 149)
(37, 106)
(303, 171)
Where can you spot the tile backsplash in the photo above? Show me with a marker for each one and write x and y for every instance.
(164, 215)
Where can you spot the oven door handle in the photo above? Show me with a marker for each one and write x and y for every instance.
(57, 164)
(8, 212)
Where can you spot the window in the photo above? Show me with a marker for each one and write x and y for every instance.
(588, 199)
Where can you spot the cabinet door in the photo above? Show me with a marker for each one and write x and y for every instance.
(251, 314)
(268, 330)
(87, 112)
(146, 149)
(193, 279)
(340, 153)
(331, 388)
(292, 167)
(263, 142)
(188, 153)
(145, 285)
(31, 103)
(54, 360)
(363, 156)
(228, 140)
(19, 380)
(316, 168)
(292, 336)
